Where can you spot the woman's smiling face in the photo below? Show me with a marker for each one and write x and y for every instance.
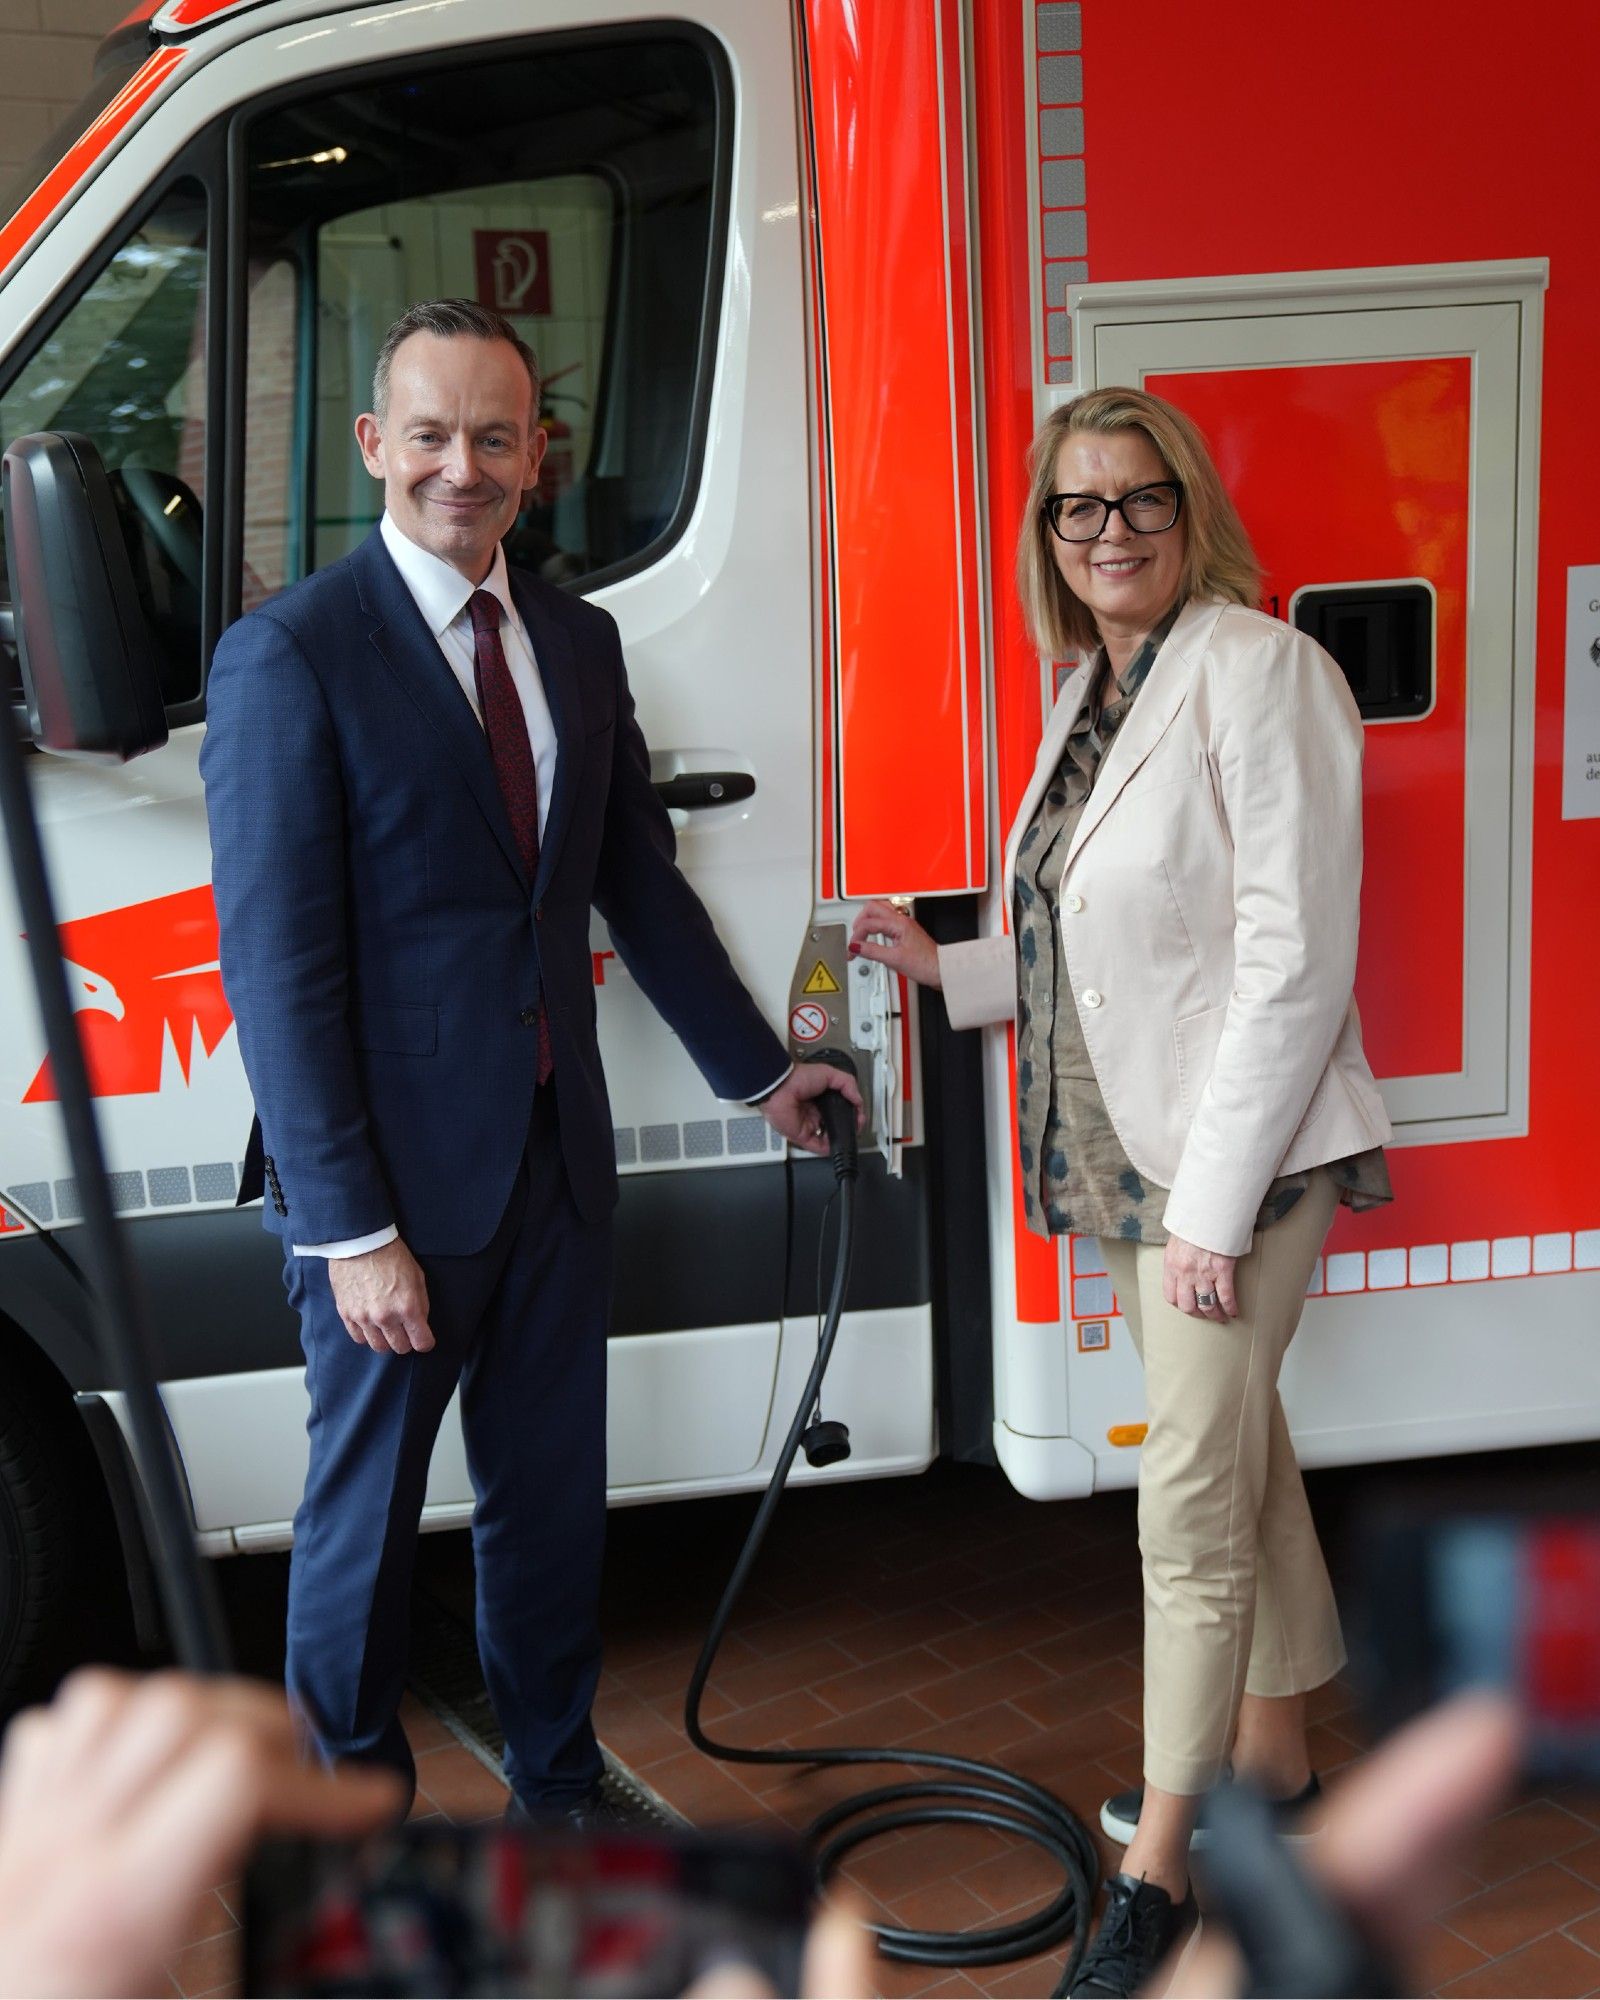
(1127, 580)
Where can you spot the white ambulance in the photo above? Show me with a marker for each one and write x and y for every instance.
(802, 276)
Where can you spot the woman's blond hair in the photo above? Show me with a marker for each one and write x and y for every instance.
(1218, 561)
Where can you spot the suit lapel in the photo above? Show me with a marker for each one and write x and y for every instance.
(413, 656)
(1157, 702)
(557, 668)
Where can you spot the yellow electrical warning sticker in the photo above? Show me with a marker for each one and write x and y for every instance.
(821, 980)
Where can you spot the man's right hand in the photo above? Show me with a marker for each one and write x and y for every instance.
(382, 1297)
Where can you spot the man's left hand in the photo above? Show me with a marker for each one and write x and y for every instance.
(792, 1107)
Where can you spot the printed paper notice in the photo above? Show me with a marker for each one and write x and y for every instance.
(1580, 765)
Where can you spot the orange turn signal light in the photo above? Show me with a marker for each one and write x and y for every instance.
(1126, 1434)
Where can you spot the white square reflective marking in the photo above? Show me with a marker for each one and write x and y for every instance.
(1386, 1270)
(1086, 1258)
(1552, 1253)
(1512, 1257)
(1091, 1297)
(1430, 1263)
(1586, 1250)
(1469, 1260)
(1347, 1271)
(1314, 1282)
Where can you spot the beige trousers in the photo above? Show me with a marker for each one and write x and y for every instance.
(1236, 1593)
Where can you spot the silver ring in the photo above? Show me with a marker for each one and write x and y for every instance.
(1205, 1298)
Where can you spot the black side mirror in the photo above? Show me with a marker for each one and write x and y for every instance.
(89, 673)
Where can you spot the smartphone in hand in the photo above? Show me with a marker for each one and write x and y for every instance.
(501, 1910)
(1455, 1597)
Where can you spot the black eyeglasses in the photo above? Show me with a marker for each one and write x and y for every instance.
(1082, 517)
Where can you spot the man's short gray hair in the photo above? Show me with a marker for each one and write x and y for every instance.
(450, 319)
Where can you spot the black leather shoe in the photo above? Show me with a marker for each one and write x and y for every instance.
(598, 1811)
(1138, 1927)
(1120, 1814)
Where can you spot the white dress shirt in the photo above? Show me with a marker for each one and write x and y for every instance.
(442, 595)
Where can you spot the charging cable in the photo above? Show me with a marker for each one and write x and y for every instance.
(974, 1793)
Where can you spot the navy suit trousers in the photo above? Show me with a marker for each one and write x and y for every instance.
(521, 1326)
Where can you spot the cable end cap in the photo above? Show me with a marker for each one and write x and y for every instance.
(826, 1442)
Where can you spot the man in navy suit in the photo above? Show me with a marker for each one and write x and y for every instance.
(421, 771)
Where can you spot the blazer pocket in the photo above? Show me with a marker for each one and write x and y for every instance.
(395, 1028)
(1196, 1037)
(1160, 774)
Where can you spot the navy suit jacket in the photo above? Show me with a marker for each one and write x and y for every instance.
(383, 950)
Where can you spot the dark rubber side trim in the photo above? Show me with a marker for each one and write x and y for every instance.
(43, 1294)
(698, 1249)
(891, 1256)
(125, 1491)
(693, 1249)
(212, 1284)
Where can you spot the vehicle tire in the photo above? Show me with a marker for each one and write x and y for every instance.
(61, 1597)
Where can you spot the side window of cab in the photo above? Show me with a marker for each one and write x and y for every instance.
(575, 183)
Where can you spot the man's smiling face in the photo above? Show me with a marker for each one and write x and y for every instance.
(457, 446)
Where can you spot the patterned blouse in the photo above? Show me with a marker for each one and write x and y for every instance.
(1076, 1178)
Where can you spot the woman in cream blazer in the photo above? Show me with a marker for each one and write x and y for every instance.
(1182, 888)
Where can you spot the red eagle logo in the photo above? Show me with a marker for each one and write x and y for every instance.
(136, 977)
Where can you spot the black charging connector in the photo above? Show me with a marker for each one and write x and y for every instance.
(838, 1115)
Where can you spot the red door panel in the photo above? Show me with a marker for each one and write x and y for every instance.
(1346, 473)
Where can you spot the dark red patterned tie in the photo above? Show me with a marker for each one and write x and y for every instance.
(506, 727)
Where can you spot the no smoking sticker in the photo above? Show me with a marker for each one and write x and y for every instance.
(808, 1022)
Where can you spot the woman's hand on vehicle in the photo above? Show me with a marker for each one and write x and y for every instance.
(1198, 1282)
(891, 936)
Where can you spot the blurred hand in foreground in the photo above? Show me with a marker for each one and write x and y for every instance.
(127, 1799)
(838, 1964)
(1391, 1835)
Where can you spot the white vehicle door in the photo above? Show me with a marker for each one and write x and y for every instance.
(628, 194)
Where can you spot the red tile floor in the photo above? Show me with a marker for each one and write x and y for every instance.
(947, 1611)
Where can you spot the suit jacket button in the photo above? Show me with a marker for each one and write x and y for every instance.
(538, 913)
(529, 1017)
(1091, 998)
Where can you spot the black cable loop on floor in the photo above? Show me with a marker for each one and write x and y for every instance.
(976, 1793)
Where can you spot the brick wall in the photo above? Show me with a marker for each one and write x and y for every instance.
(46, 57)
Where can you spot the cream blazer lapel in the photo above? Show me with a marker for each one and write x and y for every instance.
(1158, 702)
(1154, 708)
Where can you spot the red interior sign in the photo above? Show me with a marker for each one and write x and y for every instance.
(513, 267)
